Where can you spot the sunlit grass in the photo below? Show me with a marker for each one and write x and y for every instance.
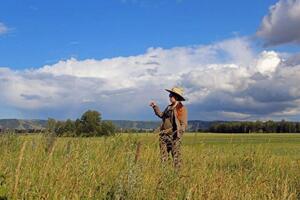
(215, 166)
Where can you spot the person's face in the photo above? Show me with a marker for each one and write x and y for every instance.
(172, 98)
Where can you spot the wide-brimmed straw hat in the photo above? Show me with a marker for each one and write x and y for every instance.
(178, 91)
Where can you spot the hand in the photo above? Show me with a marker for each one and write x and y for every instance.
(152, 104)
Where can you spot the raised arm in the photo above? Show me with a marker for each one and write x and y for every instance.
(156, 109)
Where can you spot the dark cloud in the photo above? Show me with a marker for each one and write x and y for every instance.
(31, 97)
(281, 25)
(291, 61)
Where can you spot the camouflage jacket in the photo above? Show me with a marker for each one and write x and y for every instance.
(173, 118)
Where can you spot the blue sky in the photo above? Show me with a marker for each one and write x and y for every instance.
(59, 58)
(44, 32)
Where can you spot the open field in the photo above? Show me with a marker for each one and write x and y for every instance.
(216, 166)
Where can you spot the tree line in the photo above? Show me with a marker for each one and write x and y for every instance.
(256, 127)
(90, 124)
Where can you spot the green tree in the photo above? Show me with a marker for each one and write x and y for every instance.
(60, 128)
(78, 127)
(51, 123)
(108, 128)
(69, 128)
(90, 123)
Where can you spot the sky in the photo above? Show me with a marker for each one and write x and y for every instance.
(235, 60)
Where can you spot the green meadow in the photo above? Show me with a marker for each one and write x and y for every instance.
(127, 166)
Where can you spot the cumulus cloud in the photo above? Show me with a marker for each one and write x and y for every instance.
(224, 80)
(3, 28)
(281, 25)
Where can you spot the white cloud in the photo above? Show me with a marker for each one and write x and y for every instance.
(3, 28)
(226, 80)
(281, 25)
(234, 115)
(268, 62)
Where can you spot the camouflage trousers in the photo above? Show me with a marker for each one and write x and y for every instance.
(167, 144)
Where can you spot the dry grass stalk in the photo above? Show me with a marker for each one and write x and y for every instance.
(17, 177)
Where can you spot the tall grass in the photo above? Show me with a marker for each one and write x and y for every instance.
(128, 167)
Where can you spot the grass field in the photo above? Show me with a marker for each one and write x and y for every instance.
(127, 166)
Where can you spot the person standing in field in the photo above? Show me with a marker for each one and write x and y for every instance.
(174, 124)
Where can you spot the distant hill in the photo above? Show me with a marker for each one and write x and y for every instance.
(21, 124)
(193, 125)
